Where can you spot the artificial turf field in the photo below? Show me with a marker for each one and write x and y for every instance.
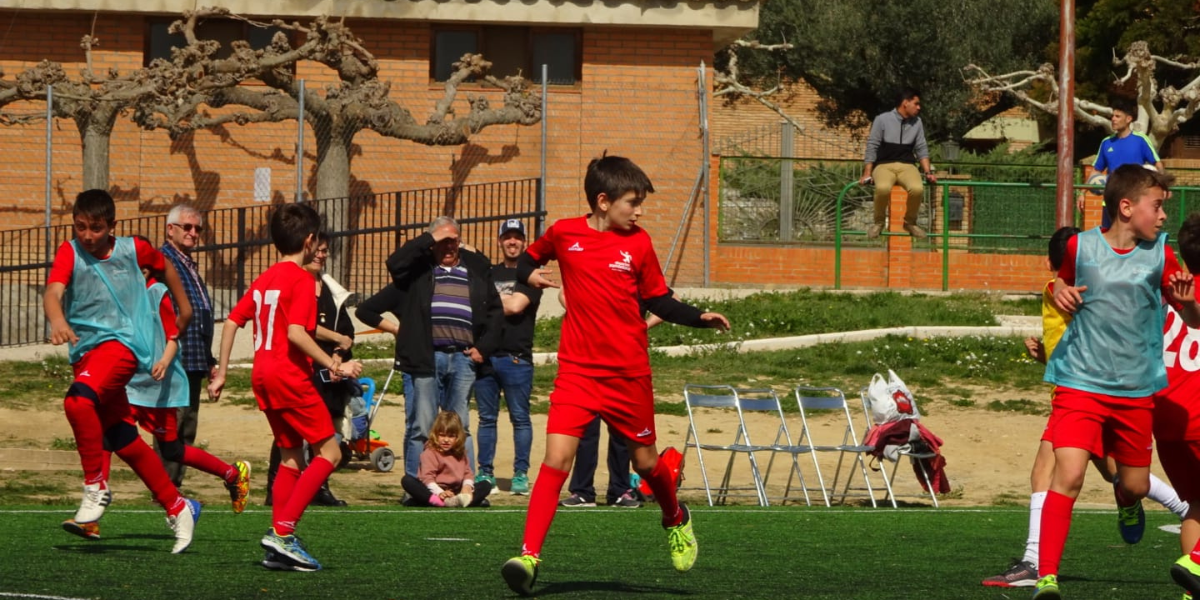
(408, 553)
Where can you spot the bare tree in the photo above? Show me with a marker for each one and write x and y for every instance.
(1160, 110)
(728, 82)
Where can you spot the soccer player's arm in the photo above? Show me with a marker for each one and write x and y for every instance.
(659, 300)
(152, 258)
(540, 252)
(242, 312)
(1179, 289)
(166, 314)
(1067, 297)
(56, 286)
(300, 311)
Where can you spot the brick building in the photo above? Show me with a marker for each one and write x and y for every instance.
(623, 79)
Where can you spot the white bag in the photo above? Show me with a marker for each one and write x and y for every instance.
(890, 399)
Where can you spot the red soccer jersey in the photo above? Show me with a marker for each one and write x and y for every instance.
(281, 296)
(1177, 406)
(604, 274)
(1170, 265)
(148, 257)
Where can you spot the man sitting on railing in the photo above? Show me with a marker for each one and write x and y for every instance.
(896, 141)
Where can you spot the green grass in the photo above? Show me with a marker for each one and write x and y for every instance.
(816, 554)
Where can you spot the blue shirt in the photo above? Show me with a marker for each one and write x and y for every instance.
(1115, 151)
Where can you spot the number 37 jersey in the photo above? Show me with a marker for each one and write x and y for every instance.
(283, 295)
(1177, 406)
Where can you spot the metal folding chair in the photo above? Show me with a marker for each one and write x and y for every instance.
(832, 399)
(914, 457)
(766, 401)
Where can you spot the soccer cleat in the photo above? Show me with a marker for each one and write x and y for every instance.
(626, 501)
(277, 562)
(239, 490)
(520, 483)
(1020, 574)
(291, 549)
(521, 573)
(576, 501)
(1131, 520)
(1047, 589)
(682, 542)
(96, 497)
(184, 525)
(87, 531)
(1186, 573)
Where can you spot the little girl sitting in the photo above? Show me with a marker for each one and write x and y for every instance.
(445, 477)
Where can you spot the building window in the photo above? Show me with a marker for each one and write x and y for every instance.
(511, 50)
(159, 40)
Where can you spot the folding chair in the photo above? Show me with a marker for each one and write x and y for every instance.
(767, 401)
(832, 399)
(914, 457)
(725, 397)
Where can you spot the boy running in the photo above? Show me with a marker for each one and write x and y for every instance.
(96, 301)
(1109, 363)
(607, 264)
(284, 310)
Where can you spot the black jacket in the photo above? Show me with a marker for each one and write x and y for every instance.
(411, 267)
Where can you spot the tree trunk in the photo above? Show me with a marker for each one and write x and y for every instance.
(95, 137)
(333, 185)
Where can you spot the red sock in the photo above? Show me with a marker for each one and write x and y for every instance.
(141, 458)
(306, 487)
(89, 436)
(662, 483)
(1196, 553)
(197, 458)
(285, 481)
(543, 503)
(1056, 523)
(106, 466)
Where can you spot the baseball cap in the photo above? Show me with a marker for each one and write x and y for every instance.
(512, 225)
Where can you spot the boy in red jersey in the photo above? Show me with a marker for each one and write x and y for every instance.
(1177, 419)
(1109, 364)
(284, 310)
(96, 301)
(607, 264)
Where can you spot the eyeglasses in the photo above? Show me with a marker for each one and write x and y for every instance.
(322, 250)
(188, 227)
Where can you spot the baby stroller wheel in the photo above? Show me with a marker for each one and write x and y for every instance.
(383, 459)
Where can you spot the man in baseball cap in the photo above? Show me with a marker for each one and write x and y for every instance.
(511, 225)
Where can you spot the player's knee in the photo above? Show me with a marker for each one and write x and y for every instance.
(81, 393)
(118, 436)
(172, 450)
(1135, 488)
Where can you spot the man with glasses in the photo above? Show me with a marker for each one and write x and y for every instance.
(185, 225)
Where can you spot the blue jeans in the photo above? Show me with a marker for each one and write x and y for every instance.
(449, 388)
(515, 376)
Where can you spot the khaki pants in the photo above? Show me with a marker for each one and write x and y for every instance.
(907, 176)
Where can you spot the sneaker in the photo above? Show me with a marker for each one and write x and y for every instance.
(1131, 520)
(488, 477)
(682, 541)
(626, 501)
(1021, 574)
(520, 483)
(521, 573)
(291, 550)
(874, 231)
(278, 562)
(239, 490)
(916, 231)
(577, 501)
(184, 525)
(1046, 588)
(1186, 573)
(87, 531)
(96, 497)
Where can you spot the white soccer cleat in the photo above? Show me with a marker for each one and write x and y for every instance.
(96, 497)
(184, 525)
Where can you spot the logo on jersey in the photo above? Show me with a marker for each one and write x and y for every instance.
(645, 432)
(624, 265)
(575, 248)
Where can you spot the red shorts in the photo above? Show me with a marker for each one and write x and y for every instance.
(107, 369)
(625, 403)
(1104, 425)
(160, 422)
(296, 425)
(1181, 460)
(274, 393)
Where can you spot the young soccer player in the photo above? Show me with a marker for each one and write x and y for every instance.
(1109, 363)
(1023, 573)
(283, 307)
(155, 397)
(96, 301)
(607, 264)
(1177, 419)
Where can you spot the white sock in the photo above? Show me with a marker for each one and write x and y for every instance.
(1036, 500)
(1162, 493)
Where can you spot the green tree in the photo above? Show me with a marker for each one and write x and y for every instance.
(857, 55)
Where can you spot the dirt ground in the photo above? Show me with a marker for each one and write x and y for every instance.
(988, 454)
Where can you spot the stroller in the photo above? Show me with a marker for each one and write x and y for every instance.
(364, 443)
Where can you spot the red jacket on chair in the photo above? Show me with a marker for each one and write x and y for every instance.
(899, 434)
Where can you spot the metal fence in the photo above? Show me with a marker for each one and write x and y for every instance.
(236, 246)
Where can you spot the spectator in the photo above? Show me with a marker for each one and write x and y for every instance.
(1123, 147)
(185, 225)
(445, 476)
(452, 314)
(511, 367)
(896, 141)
